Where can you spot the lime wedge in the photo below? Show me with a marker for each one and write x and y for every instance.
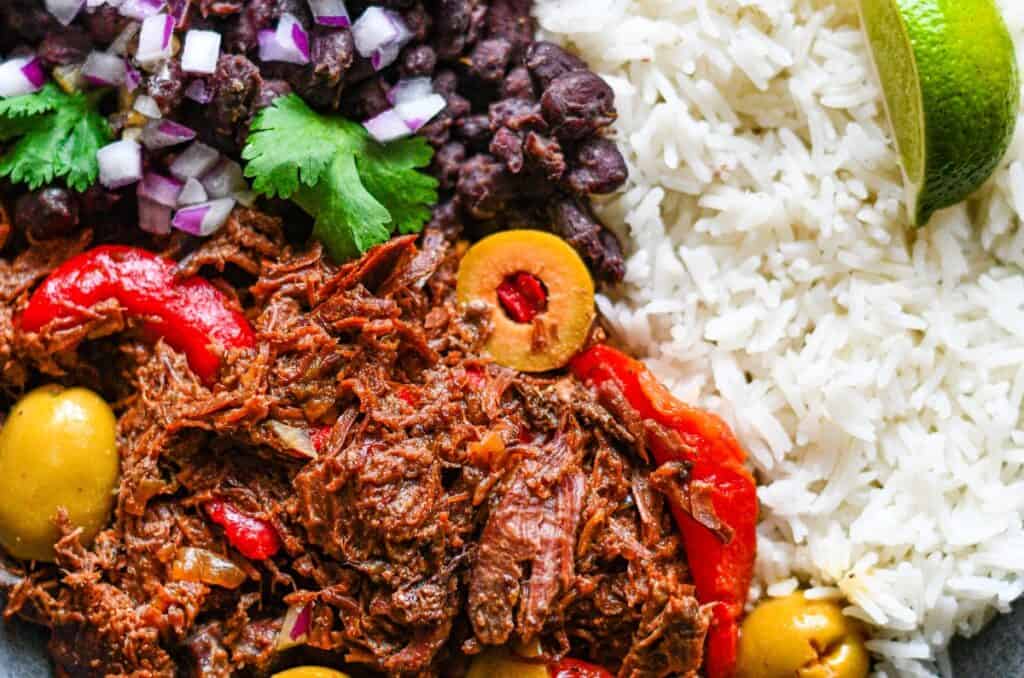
(949, 74)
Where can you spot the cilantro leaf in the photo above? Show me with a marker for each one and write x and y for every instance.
(358, 191)
(57, 136)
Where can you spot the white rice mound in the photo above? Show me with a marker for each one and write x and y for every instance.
(874, 374)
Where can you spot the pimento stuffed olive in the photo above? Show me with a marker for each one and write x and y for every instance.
(541, 295)
(58, 450)
(795, 636)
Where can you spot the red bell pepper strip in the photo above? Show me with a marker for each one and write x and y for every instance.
(574, 668)
(721, 560)
(254, 538)
(192, 315)
(522, 296)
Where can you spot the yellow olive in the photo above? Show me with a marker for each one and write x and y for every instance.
(310, 672)
(794, 637)
(500, 663)
(58, 448)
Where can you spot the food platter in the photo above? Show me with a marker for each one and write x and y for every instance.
(533, 338)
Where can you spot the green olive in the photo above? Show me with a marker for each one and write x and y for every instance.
(58, 448)
(500, 663)
(310, 672)
(794, 637)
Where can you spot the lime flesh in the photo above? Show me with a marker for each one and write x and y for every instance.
(949, 75)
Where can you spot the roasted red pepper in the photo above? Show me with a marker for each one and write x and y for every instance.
(574, 668)
(254, 538)
(721, 560)
(522, 296)
(192, 315)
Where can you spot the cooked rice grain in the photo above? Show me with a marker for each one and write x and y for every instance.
(875, 375)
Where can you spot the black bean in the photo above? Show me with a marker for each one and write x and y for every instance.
(48, 213)
(507, 146)
(417, 61)
(516, 114)
(484, 186)
(67, 46)
(511, 20)
(578, 104)
(448, 163)
(475, 130)
(546, 153)
(236, 86)
(596, 166)
(104, 24)
(599, 247)
(518, 84)
(452, 25)
(490, 58)
(167, 85)
(547, 61)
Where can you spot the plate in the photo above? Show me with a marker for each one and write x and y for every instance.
(998, 652)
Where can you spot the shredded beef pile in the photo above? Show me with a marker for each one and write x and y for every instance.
(455, 503)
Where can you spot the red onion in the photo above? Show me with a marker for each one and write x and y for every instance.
(132, 78)
(387, 126)
(64, 11)
(408, 89)
(204, 219)
(330, 13)
(154, 217)
(103, 69)
(140, 9)
(379, 35)
(148, 106)
(160, 189)
(23, 75)
(164, 134)
(155, 38)
(202, 49)
(197, 160)
(225, 180)
(193, 193)
(418, 112)
(289, 43)
(295, 627)
(199, 92)
(120, 163)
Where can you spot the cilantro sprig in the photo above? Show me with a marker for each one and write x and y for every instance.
(358, 191)
(52, 135)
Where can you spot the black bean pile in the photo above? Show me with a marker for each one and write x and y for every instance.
(520, 143)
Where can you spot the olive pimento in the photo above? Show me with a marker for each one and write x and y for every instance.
(540, 293)
(58, 450)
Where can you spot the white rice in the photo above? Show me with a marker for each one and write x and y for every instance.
(875, 375)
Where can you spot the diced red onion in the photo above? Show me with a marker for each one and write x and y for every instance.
(199, 92)
(387, 126)
(330, 13)
(225, 180)
(295, 627)
(155, 38)
(165, 133)
(132, 78)
(195, 161)
(120, 163)
(289, 43)
(104, 69)
(409, 89)
(148, 106)
(193, 193)
(379, 35)
(64, 11)
(179, 10)
(154, 217)
(203, 219)
(140, 9)
(124, 38)
(418, 112)
(202, 49)
(162, 190)
(23, 75)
